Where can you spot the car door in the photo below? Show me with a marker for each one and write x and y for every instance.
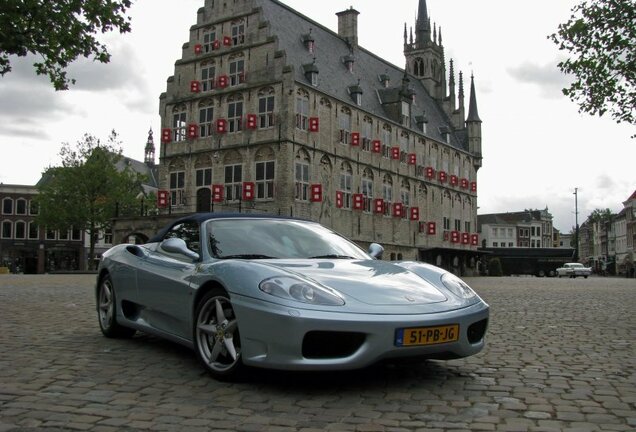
(164, 284)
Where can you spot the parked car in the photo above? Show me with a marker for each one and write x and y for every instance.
(573, 270)
(283, 293)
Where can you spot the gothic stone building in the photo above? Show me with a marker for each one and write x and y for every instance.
(271, 112)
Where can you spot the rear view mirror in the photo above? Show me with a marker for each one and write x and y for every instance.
(178, 246)
(376, 250)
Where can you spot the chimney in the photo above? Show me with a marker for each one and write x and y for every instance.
(348, 26)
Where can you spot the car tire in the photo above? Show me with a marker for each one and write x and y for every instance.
(216, 335)
(541, 273)
(107, 311)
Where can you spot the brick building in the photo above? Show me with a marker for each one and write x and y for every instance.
(26, 247)
(271, 112)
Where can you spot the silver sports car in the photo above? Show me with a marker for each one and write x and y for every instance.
(283, 293)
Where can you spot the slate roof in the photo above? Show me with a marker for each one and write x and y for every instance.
(334, 78)
(509, 218)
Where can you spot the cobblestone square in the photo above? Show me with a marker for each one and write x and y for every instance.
(560, 356)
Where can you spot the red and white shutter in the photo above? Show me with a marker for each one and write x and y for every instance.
(474, 239)
(473, 186)
(430, 173)
(431, 228)
(223, 81)
(227, 41)
(442, 176)
(378, 205)
(198, 49)
(454, 181)
(395, 153)
(162, 199)
(412, 158)
(248, 191)
(455, 236)
(376, 146)
(221, 126)
(415, 213)
(465, 238)
(251, 122)
(398, 210)
(464, 183)
(193, 131)
(314, 124)
(316, 193)
(339, 199)
(216, 44)
(355, 138)
(217, 193)
(358, 202)
(195, 86)
(166, 135)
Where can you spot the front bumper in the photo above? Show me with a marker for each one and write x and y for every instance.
(272, 335)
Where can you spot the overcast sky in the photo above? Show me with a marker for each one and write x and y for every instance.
(537, 148)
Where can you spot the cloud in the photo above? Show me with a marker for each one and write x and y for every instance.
(547, 77)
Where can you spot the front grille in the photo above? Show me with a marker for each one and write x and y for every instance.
(328, 344)
(477, 330)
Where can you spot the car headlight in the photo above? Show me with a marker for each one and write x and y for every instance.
(457, 286)
(292, 288)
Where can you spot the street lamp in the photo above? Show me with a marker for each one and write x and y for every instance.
(576, 221)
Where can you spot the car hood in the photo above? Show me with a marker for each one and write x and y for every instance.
(367, 281)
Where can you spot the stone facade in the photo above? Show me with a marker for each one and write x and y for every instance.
(269, 112)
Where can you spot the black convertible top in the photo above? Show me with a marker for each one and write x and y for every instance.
(202, 217)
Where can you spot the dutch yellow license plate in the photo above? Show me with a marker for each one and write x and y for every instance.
(418, 336)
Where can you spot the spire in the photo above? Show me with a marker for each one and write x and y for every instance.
(473, 115)
(149, 158)
(440, 36)
(461, 89)
(423, 25)
(451, 77)
(405, 35)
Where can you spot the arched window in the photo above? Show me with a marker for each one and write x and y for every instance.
(301, 173)
(302, 109)
(7, 229)
(7, 206)
(418, 67)
(20, 230)
(367, 189)
(346, 184)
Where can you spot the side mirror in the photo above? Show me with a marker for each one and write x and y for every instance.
(376, 250)
(178, 246)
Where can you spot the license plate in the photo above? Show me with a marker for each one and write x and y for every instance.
(418, 336)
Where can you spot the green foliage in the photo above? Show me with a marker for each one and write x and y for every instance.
(88, 190)
(602, 216)
(494, 267)
(59, 31)
(601, 36)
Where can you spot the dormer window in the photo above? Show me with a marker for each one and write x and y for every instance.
(406, 114)
(348, 62)
(385, 80)
(421, 122)
(308, 41)
(311, 73)
(356, 93)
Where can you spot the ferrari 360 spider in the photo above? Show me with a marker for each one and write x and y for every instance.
(283, 293)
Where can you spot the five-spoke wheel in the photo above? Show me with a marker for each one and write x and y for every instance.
(216, 335)
(106, 311)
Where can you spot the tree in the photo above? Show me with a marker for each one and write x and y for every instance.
(600, 216)
(601, 36)
(88, 190)
(59, 31)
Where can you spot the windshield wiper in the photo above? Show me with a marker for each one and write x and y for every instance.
(332, 256)
(246, 256)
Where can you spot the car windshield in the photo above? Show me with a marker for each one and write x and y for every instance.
(277, 238)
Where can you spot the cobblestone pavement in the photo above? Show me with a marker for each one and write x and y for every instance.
(560, 356)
